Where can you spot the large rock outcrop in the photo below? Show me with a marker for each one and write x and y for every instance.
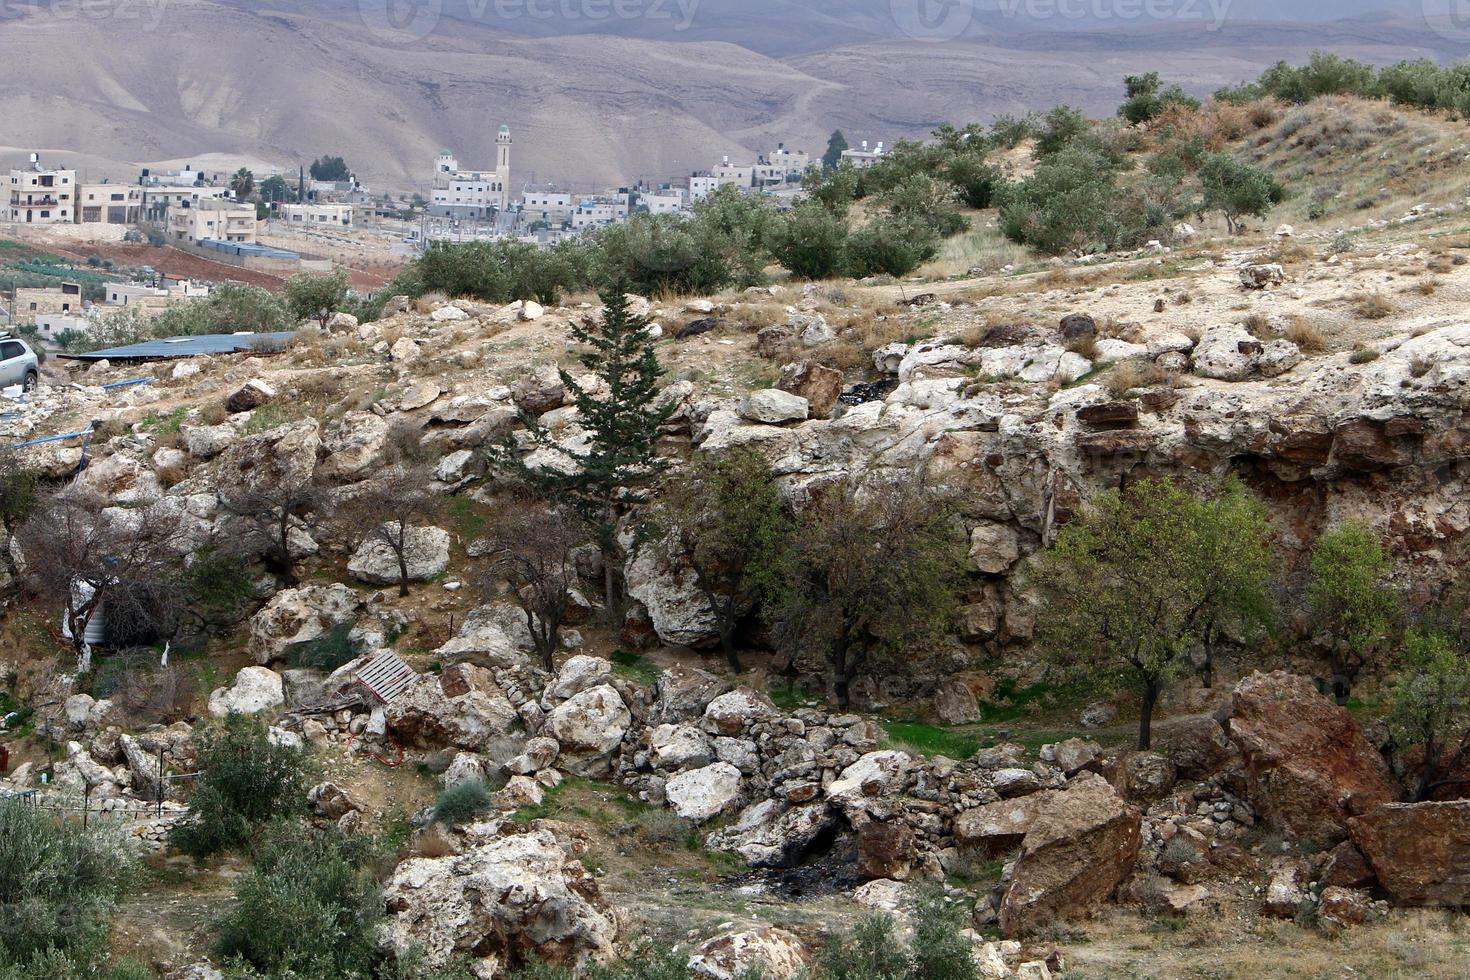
(1307, 765)
(1078, 850)
(590, 727)
(502, 901)
(299, 615)
(771, 953)
(1419, 851)
(425, 555)
(463, 707)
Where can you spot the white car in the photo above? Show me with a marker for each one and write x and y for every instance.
(19, 365)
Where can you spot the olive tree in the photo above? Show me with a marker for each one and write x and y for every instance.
(870, 569)
(316, 297)
(722, 517)
(1147, 574)
(1353, 610)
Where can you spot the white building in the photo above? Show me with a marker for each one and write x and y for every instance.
(224, 221)
(863, 157)
(41, 196)
(547, 204)
(109, 204)
(159, 200)
(595, 212)
(316, 215)
(460, 193)
(663, 201)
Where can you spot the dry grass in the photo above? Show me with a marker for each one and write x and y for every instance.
(1133, 375)
(1236, 944)
(1373, 305)
(1305, 335)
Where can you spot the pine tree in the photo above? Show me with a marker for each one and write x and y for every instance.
(836, 144)
(623, 418)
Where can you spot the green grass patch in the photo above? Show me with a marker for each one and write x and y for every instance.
(1009, 703)
(923, 739)
(573, 797)
(635, 667)
(469, 520)
(164, 425)
(789, 697)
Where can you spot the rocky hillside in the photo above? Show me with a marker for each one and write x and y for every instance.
(637, 789)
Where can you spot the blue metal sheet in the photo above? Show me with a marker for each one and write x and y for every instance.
(213, 343)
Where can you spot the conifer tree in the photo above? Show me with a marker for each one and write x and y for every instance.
(622, 415)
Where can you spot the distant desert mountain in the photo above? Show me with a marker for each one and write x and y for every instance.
(278, 83)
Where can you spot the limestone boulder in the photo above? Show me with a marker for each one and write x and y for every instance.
(1420, 852)
(732, 713)
(354, 446)
(818, 384)
(682, 693)
(998, 827)
(1308, 767)
(705, 793)
(589, 727)
(250, 396)
(773, 954)
(425, 553)
(772, 406)
(298, 615)
(678, 610)
(254, 689)
(1079, 849)
(462, 707)
(576, 675)
(677, 747)
(501, 900)
(1229, 352)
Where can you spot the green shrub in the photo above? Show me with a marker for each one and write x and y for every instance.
(893, 245)
(229, 308)
(809, 240)
(247, 780)
(59, 886)
(310, 297)
(309, 907)
(1147, 99)
(939, 949)
(461, 802)
(647, 963)
(326, 652)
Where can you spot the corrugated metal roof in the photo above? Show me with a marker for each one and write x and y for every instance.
(247, 249)
(211, 343)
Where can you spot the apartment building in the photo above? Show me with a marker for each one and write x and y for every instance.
(212, 220)
(40, 196)
(109, 204)
(316, 215)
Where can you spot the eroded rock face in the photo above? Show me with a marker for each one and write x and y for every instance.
(775, 953)
(1079, 849)
(283, 456)
(501, 901)
(1419, 851)
(680, 613)
(772, 835)
(1307, 765)
(463, 707)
